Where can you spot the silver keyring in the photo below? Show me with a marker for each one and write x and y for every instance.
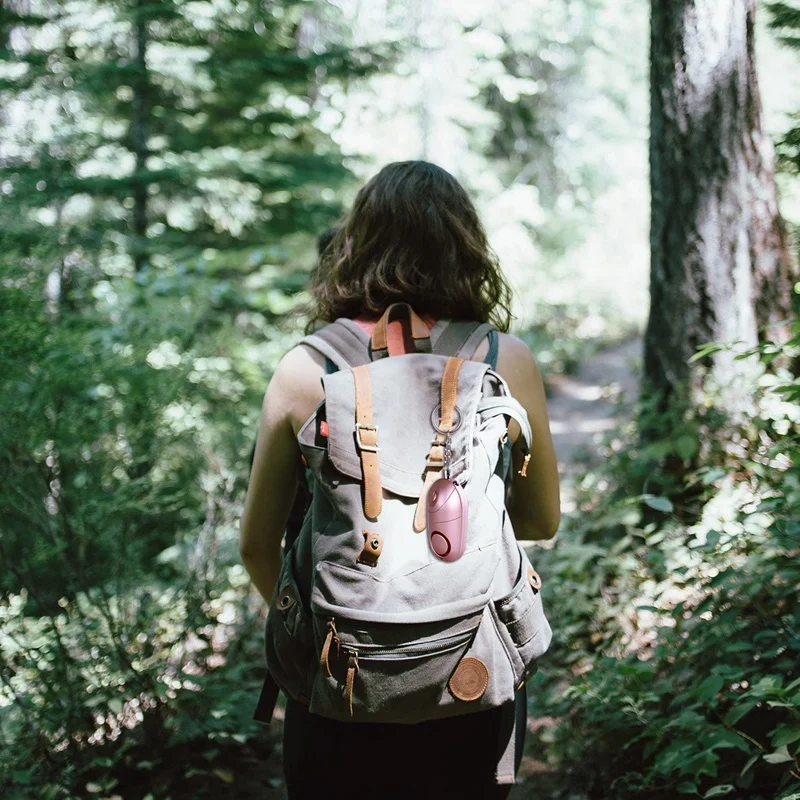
(435, 416)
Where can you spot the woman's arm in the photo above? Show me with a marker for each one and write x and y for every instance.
(534, 501)
(273, 482)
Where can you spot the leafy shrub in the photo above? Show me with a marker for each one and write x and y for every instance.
(110, 686)
(676, 665)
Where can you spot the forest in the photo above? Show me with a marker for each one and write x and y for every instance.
(166, 167)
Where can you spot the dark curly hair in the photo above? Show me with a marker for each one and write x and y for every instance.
(413, 234)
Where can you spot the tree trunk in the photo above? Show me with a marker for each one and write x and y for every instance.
(721, 267)
(139, 134)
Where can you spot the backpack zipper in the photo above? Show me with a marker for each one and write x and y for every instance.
(379, 652)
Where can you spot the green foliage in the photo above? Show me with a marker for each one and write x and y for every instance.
(683, 645)
(163, 176)
(569, 333)
(165, 168)
(103, 689)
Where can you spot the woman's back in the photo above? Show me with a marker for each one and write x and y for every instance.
(412, 231)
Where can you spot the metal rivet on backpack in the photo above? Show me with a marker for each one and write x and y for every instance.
(375, 544)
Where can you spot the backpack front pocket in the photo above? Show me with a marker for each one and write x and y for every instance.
(376, 672)
(289, 641)
(521, 621)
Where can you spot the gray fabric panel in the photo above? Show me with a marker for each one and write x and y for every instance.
(437, 330)
(321, 345)
(504, 769)
(358, 333)
(511, 406)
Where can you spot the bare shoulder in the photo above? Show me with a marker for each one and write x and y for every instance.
(517, 364)
(295, 386)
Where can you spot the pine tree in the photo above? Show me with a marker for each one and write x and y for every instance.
(162, 181)
(161, 198)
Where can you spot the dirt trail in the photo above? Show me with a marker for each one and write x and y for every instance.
(579, 406)
(585, 403)
(595, 399)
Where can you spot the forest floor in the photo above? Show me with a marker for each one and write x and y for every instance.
(594, 399)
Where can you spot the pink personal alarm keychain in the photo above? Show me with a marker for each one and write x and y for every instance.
(447, 509)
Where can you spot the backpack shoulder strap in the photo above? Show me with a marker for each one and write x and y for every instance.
(346, 344)
(343, 342)
(462, 337)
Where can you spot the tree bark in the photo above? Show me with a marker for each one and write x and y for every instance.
(721, 267)
(138, 135)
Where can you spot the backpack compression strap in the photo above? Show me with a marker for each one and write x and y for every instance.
(505, 766)
(367, 440)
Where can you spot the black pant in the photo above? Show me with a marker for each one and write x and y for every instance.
(437, 760)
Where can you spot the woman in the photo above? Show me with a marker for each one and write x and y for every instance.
(413, 235)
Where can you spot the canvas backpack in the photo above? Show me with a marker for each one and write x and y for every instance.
(367, 624)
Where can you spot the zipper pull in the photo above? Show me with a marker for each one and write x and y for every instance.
(524, 470)
(352, 669)
(331, 637)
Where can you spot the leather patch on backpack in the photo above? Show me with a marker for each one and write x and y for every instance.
(533, 579)
(470, 679)
(373, 546)
(286, 599)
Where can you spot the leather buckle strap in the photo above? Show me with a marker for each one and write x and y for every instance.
(435, 461)
(449, 391)
(362, 445)
(367, 442)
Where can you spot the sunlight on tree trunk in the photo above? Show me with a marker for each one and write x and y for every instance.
(721, 268)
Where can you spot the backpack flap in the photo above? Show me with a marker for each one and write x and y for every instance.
(405, 399)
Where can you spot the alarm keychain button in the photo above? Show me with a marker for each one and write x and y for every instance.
(447, 512)
(440, 544)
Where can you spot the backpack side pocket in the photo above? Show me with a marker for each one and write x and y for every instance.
(521, 621)
(289, 640)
